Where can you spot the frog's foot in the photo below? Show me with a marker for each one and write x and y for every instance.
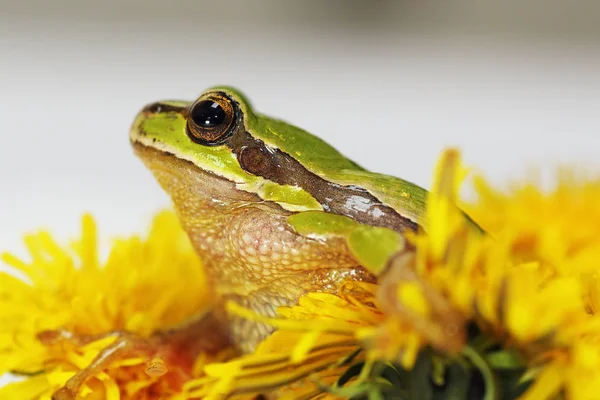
(125, 345)
(177, 347)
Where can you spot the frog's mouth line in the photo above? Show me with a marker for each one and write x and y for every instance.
(176, 174)
(165, 160)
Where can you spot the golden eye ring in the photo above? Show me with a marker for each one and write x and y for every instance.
(211, 119)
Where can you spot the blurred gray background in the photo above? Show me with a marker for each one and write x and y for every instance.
(514, 85)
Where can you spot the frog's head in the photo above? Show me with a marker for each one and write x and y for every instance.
(219, 146)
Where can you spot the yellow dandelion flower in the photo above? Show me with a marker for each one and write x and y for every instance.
(70, 290)
(550, 306)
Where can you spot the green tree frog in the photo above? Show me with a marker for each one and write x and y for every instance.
(273, 211)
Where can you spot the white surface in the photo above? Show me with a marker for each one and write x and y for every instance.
(389, 83)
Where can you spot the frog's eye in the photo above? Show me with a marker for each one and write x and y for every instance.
(211, 120)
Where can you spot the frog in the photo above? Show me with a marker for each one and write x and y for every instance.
(273, 211)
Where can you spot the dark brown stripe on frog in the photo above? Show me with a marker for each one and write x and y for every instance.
(275, 165)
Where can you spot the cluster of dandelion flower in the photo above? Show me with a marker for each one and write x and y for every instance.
(504, 312)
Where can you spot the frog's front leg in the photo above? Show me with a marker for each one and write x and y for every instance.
(180, 345)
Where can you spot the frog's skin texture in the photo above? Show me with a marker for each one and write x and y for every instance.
(273, 211)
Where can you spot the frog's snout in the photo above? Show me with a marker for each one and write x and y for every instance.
(157, 120)
(136, 127)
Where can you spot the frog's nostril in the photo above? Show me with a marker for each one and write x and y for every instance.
(162, 107)
(153, 108)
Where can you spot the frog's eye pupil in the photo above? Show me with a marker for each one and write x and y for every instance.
(211, 119)
(208, 114)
